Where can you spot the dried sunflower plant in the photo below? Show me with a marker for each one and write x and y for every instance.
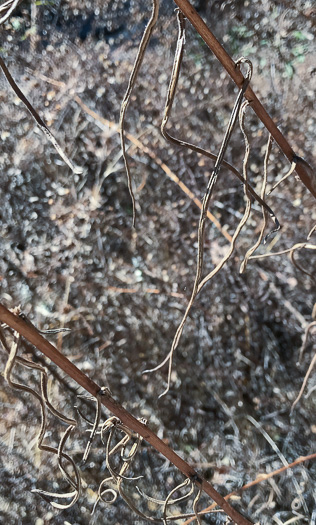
(119, 435)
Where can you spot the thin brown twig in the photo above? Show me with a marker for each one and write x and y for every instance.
(260, 478)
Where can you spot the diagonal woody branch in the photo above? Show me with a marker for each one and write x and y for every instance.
(30, 333)
(303, 169)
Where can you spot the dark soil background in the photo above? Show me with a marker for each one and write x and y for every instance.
(70, 256)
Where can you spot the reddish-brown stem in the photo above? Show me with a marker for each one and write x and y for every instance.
(303, 170)
(31, 334)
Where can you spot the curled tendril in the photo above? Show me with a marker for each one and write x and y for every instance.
(45, 405)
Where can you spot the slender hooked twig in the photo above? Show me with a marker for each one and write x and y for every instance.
(253, 248)
(41, 124)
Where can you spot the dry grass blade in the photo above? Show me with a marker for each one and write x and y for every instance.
(138, 61)
(168, 107)
(198, 281)
(41, 124)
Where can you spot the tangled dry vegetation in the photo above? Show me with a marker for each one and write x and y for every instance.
(70, 258)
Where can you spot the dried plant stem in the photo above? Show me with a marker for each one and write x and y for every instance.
(292, 168)
(44, 404)
(251, 250)
(138, 62)
(304, 171)
(308, 329)
(297, 246)
(8, 7)
(168, 107)
(260, 478)
(32, 335)
(198, 281)
(41, 124)
(308, 373)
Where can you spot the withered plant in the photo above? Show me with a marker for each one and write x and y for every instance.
(119, 435)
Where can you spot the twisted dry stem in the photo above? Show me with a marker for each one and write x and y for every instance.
(253, 248)
(44, 405)
(32, 335)
(7, 8)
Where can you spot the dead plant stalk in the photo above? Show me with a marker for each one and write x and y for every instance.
(30, 333)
